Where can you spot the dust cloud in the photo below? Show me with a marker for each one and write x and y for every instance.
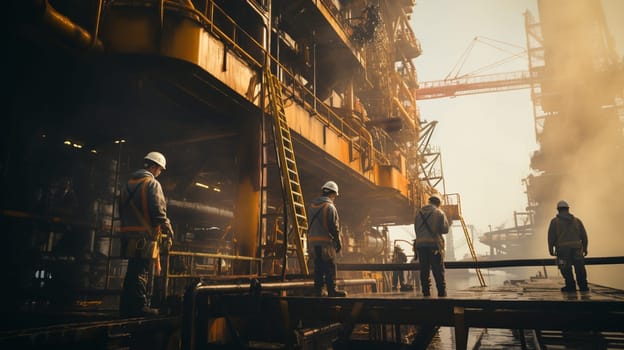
(581, 155)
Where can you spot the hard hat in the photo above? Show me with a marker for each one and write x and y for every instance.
(157, 158)
(562, 204)
(330, 185)
(435, 200)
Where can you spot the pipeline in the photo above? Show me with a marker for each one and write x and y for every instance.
(254, 287)
(65, 28)
(201, 208)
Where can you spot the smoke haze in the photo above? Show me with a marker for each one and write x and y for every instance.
(581, 155)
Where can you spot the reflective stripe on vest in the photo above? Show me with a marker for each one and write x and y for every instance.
(140, 182)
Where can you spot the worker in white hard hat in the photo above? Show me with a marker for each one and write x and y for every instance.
(430, 224)
(144, 227)
(324, 240)
(567, 239)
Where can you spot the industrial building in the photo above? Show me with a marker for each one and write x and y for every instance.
(255, 103)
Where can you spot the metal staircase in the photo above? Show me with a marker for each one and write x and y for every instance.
(288, 167)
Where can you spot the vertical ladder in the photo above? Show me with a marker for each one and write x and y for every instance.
(472, 251)
(287, 165)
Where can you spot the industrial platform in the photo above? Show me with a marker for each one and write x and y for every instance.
(361, 320)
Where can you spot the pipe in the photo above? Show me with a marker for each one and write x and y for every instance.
(404, 112)
(255, 286)
(201, 207)
(65, 28)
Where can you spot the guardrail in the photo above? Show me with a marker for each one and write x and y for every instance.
(220, 24)
(478, 264)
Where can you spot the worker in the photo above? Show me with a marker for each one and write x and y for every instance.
(324, 240)
(398, 257)
(567, 239)
(144, 226)
(430, 224)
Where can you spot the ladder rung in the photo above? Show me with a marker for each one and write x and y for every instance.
(287, 164)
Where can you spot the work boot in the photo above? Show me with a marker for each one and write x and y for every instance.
(584, 288)
(338, 293)
(426, 293)
(568, 289)
(442, 293)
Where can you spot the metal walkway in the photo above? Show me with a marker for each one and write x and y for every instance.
(533, 305)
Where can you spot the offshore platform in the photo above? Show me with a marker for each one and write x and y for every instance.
(255, 103)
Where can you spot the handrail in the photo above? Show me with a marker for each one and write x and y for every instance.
(321, 111)
(611, 260)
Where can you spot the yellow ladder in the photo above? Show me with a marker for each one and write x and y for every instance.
(453, 212)
(472, 251)
(288, 165)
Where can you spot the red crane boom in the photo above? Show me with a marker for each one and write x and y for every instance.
(468, 85)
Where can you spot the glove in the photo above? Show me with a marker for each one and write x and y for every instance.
(169, 243)
(584, 252)
(552, 251)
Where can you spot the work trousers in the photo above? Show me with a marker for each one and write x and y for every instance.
(324, 257)
(431, 260)
(134, 293)
(568, 257)
(398, 278)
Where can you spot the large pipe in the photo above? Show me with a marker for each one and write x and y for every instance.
(201, 207)
(64, 27)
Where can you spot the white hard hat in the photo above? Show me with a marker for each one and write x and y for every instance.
(330, 185)
(157, 158)
(562, 204)
(435, 199)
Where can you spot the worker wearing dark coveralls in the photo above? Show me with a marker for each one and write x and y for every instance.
(143, 216)
(430, 224)
(398, 257)
(567, 239)
(324, 239)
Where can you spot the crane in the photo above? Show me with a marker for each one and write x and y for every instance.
(455, 84)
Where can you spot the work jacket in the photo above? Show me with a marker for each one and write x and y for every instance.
(566, 231)
(323, 222)
(145, 192)
(399, 256)
(430, 223)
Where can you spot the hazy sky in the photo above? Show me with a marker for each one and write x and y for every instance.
(486, 140)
